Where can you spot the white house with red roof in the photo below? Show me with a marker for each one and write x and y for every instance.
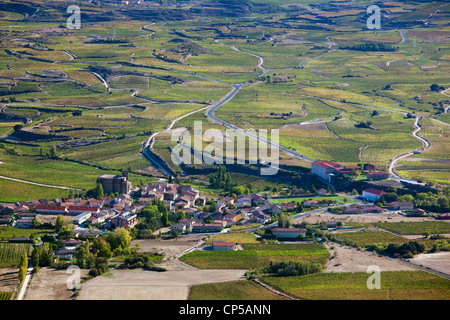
(327, 170)
(372, 194)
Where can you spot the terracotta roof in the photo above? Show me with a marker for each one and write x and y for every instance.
(222, 244)
(327, 164)
(289, 230)
(43, 207)
(375, 191)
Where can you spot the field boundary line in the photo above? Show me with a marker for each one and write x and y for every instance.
(276, 291)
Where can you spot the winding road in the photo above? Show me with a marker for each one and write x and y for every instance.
(238, 86)
(425, 145)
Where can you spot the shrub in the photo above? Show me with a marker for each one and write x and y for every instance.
(93, 272)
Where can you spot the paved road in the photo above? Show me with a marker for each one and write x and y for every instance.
(425, 144)
(237, 88)
(37, 184)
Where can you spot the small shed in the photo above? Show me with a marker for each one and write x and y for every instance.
(223, 246)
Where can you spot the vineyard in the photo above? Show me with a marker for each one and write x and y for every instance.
(232, 290)
(410, 228)
(10, 253)
(7, 295)
(395, 285)
(256, 256)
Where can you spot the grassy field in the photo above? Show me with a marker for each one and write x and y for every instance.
(12, 191)
(395, 285)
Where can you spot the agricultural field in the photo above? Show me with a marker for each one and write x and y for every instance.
(256, 256)
(395, 285)
(371, 237)
(11, 253)
(232, 290)
(338, 199)
(415, 228)
(240, 238)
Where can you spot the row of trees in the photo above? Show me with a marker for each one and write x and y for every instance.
(370, 46)
(292, 268)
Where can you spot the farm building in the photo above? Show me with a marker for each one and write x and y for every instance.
(288, 206)
(444, 216)
(397, 205)
(327, 170)
(81, 218)
(372, 194)
(207, 227)
(76, 210)
(178, 227)
(289, 232)
(223, 245)
(49, 209)
(377, 175)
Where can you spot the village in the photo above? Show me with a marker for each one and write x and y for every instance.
(120, 205)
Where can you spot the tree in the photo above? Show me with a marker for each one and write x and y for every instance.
(98, 192)
(103, 247)
(53, 154)
(120, 237)
(23, 266)
(59, 224)
(35, 256)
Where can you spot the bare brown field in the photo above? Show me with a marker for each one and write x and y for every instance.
(360, 218)
(51, 284)
(349, 259)
(9, 279)
(148, 285)
(439, 261)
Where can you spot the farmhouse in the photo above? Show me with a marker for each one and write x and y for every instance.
(358, 209)
(397, 205)
(65, 253)
(372, 194)
(223, 245)
(377, 175)
(260, 217)
(288, 206)
(207, 227)
(311, 203)
(232, 218)
(444, 216)
(289, 232)
(24, 223)
(328, 171)
(178, 227)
